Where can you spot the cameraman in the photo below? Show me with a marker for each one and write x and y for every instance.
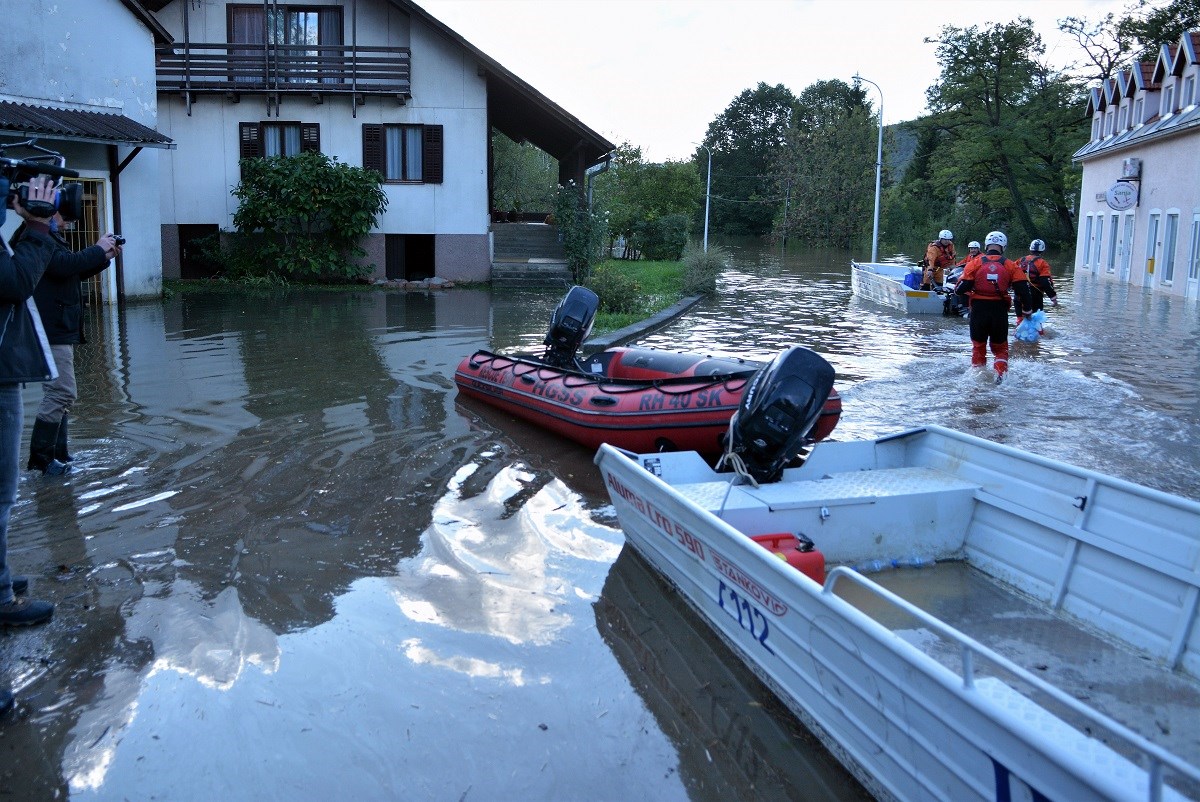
(60, 305)
(23, 358)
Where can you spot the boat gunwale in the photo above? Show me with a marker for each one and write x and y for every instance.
(600, 380)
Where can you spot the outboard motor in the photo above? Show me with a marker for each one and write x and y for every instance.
(778, 411)
(569, 327)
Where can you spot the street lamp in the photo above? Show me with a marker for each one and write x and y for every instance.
(878, 168)
(707, 193)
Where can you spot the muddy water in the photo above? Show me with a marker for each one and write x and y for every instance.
(292, 564)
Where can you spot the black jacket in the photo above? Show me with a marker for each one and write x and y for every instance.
(57, 295)
(24, 351)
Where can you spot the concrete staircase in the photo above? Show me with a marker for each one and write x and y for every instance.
(528, 255)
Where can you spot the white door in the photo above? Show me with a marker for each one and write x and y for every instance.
(1127, 247)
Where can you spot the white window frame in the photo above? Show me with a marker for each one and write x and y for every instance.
(1152, 229)
(1194, 251)
(1087, 241)
(1170, 244)
(1113, 237)
(1187, 97)
(1168, 101)
(1099, 241)
(1139, 115)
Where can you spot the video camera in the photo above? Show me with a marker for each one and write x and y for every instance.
(68, 200)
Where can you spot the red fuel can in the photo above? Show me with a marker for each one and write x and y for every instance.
(802, 557)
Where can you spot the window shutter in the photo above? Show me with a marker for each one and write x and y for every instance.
(432, 162)
(310, 137)
(251, 140)
(373, 152)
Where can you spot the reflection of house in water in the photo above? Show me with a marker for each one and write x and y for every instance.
(313, 435)
(726, 725)
(496, 560)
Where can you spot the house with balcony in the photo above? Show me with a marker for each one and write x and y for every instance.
(1139, 207)
(373, 83)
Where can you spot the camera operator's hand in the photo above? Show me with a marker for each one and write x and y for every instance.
(109, 243)
(41, 188)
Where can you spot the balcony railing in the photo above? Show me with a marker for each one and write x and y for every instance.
(317, 69)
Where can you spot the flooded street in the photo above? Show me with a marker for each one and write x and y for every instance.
(292, 564)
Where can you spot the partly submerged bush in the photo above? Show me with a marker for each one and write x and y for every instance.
(618, 292)
(701, 268)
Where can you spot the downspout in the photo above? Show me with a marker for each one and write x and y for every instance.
(595, 170)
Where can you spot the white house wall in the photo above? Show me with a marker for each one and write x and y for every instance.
(93, 55)
(197, 178)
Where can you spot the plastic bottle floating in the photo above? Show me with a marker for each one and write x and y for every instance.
(912, 561)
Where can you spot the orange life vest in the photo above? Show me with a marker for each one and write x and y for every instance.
(993, 276)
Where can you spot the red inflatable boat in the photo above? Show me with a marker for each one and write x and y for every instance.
(639, 399)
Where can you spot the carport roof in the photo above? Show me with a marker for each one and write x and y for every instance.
(33, 120)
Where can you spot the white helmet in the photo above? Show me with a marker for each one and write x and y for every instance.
(975, 244)
(996, 238)
(945, 233)
(1037, 246)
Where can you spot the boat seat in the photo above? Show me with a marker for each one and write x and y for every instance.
(884, 513)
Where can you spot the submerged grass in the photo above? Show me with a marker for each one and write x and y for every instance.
(660, 284)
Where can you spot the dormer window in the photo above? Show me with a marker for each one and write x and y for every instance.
(1188, 96)
(1124, 118)
(1168, 101)
(1110, 117)
(1095, 127)
(1138, 117)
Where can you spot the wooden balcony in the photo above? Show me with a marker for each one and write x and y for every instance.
(319, 70)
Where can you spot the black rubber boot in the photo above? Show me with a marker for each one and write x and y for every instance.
(41, 449)
(60, 445)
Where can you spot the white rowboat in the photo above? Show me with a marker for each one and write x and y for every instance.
(883, 284)
(1051, 652)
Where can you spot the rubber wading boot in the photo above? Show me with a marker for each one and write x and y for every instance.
(60, 445)
(41, 449)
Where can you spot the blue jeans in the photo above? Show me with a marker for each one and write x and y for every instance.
(11, 421)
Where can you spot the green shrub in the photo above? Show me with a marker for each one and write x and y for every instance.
(302, 217)
(619, 293)
(700, 269)
(663, 238)
(583, 232)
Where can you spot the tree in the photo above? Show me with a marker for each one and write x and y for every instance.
(826, 168)
(635, 193)
(524, 178)
(1150, 25)
(744, 140)
(1113, 43)
(1010, 125)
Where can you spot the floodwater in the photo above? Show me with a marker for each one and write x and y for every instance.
(291, 564)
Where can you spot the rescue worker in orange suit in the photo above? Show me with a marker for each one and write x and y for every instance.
(987, 281)
(973, 250)
(1037, 270)
(939, 255)
(956, 305)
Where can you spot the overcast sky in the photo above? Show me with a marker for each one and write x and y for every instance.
(655, 73)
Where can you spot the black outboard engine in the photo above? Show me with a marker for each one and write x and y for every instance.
(778, 410)
(570, 326)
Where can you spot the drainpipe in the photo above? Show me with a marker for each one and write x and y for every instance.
(594, 170)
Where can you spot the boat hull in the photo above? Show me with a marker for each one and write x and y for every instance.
(910, 726)
(883, 284)
(637, 399)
